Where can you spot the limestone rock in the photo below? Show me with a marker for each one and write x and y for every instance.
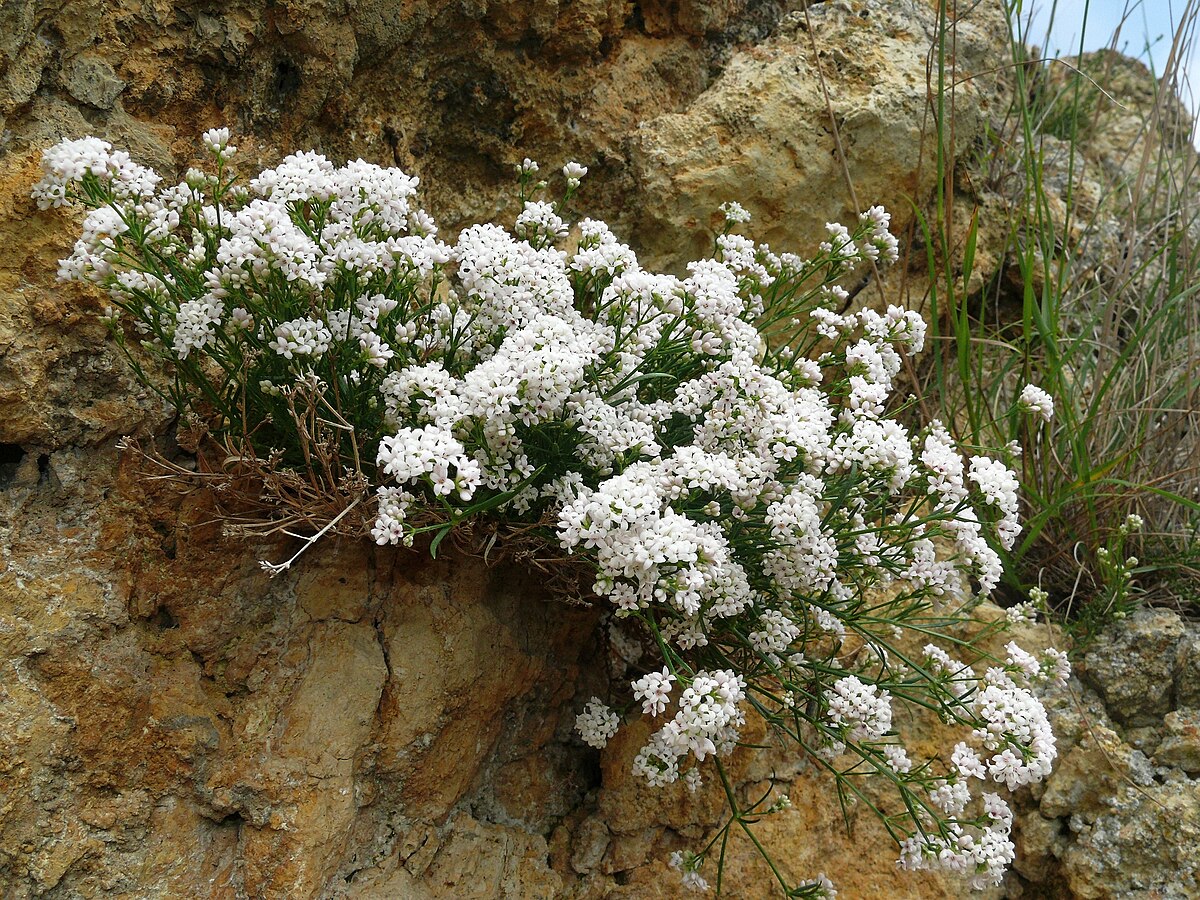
(91, 80)
(764, 133)
(1039, 844)
(1087, 779)
(1133, 666)
(590, 841)
(1145, 846)
(478, 862)
(1187, 672)
(1119, 816)
(1180, 745)
(247, 740)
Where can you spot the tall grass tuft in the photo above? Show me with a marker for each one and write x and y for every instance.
(1085, 201)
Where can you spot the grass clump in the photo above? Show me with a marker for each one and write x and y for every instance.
(1085, 201)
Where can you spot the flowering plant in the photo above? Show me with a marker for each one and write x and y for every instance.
(720, 451)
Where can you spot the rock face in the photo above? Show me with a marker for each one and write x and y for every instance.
(1120, 814)
(182, 726)
(840, 81)
(1133, 666)
(377, 724)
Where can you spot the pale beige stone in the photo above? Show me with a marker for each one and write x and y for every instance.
(763, 135)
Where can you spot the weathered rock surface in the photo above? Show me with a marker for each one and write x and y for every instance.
(1133, 666)
(179, 725)
(1180, 745)
(1120, 815)
(842, 81)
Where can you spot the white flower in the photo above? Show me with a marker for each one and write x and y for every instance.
(1133, 522)
(539, 224)
(880, 243)
(600, 251)
(840, 246)
(430, 452)
(216, 140)
(1022, 612)
(967, 762)
(863, 709)
(782, 802)
(301, 337)
(574, 173)
(70, 162)
(1056, 666)
(694, 881)
(1035, 400)
(1016, 729)
(597, 724)
(241, 318)
(735, 213)
(654, 689)
(393, 508)
(897, 758)
(999, 486)
(376, 351)
(825, 886)
(656, 762)
(775, 634)
(689, 864)
(195, 323)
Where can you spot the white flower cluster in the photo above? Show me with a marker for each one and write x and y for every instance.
(688, 865)
(1035, 400)
(300, 337)
(1016, 730)
(70, 162)
(216, 141)
(981, 853)
(880, 243)
(429, 452)
(707, 723)
(268, 248)
(574, 173)
(735, 213)
(1017, 747)
(1053, 667)
(654, 689)
(736, 492)
(597, 724)
(947, 483)
(862, 710)
(389, 523)
(875, 241)
(999, 487)
(539, 224)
